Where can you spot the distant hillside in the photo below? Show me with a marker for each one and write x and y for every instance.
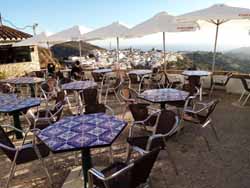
(203, 60)
(240, 53)
(64, 50)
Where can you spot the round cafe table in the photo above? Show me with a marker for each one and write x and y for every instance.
(84, 132)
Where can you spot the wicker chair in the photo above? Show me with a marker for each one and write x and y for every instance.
(125, 175)
(166, 124)
(200, 114)
(23, 154)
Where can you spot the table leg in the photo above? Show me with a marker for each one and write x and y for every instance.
(163, 106)
(32, 90)
(86, 164)
(17, 124)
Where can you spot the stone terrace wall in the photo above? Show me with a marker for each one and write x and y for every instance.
(19, 69)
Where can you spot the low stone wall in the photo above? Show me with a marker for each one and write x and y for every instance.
(19, 69)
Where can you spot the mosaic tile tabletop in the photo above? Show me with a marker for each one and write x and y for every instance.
(164, 95)
(140, 72)
(102, 71)
(23, 80)
(85, 131)
(196, 73)
(79, 85)
(10, 103)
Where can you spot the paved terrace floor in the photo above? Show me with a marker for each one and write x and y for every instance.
(226, 166)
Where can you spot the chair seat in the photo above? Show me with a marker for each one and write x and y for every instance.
(199, 119)
(28, 153)
(142, 142)
(115, 167)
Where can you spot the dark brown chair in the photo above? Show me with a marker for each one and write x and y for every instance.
(200, 114)
(246, 91)
(221, 83)
(97, 77)
(125, 175)
(166, 124)
(24, 154)
(141, 115)
(92, 105)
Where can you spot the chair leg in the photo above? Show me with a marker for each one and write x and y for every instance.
(124, 112)
(43, 165)
(111, 155)
(117, 97)
(215, 132)
(243, 93)
(245, 101)
(211, 91)
(106, 97)
(129, 151)
(11, 173)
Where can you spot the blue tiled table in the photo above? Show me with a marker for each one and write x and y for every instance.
(9, 103)
(140, 72)
(164, 96)
(25, 80)
(102, 71)
(82, 132)
(79, 85)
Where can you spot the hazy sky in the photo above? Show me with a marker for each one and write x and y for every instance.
(55, 15)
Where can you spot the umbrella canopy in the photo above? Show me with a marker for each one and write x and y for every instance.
(161, 22)
(114, 30)
(217, 14)
(71, 34)
(39, 40)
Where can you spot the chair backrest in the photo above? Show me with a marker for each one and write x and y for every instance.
(97, 77)
(139, 111)
(133, 78)
(5, 141)
(245, 84)
(127, 94)
(166, 122)
(142, 168)
(211, 107)
(90, 96)
(6, 88)
(58, 109)
(95, 108)
(46, 87)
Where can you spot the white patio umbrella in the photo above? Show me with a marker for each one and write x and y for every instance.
(161, 22)
(71, 34)
(217, 15)
(114, 30)
(39, 40)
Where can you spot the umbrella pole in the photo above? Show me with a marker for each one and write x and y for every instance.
(117, 49)
(215, 45)
(164, 52)
(80, 49)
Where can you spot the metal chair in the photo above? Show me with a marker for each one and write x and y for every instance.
(23, 154)
(166, 124)
(200, 114)
(125, 175)
(246, 91)
(44, 117)
(134, 81)
(221, 83)
(129, 96)
(112, 86)
(49, 90)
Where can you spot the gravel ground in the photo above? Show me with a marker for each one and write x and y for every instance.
(227, 165)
